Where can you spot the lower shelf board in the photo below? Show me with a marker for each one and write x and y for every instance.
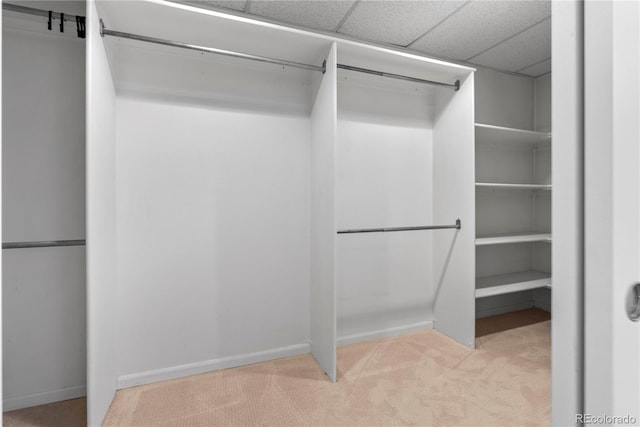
(512, 282)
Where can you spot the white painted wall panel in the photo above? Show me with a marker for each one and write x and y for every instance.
(543, 103)
(101, 225)
(44, 326)
(493, 260)
(384, 179)
(504, 211)
(43, 148)
(323, 221)
(504, 99)
(453, 197)
(512, 164)
(213, 233)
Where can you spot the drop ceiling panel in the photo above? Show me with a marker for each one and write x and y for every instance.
(525, 49)
(396, 22)
(215, 4)
(324, 15)
(538, 69)
(480, 25)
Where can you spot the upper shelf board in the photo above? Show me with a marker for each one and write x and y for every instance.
(499, 134)
(513, 186)
(512, 238)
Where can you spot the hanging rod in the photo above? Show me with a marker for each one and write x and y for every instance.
(43, 244)
(38, 12)
(51, 15)
(457, 226)
(454, 86)
(106, 32)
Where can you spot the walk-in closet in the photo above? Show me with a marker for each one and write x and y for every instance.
(276, 213)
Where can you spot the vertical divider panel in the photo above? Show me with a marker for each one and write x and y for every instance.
(454, 197)
(1, 284)
(323, 220)
(101, 225)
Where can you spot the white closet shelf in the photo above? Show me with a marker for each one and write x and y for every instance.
(501, 239)
(499, 134)
(512, 282)
(513, 186)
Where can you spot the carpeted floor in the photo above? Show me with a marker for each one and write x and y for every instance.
(423, 379)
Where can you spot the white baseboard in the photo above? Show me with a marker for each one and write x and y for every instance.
(383, 333)
(493, 311)
(180, 371)
(42, 398)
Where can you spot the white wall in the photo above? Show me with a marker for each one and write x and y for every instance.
(384, 178)
(213, 236)
(542, 121)
(43, 199)
(504, 99)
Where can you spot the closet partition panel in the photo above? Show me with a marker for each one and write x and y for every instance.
(454, 195)
(101, 225)
(1, 236)
(323, 220)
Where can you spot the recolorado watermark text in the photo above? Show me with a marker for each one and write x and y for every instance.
(606, 419)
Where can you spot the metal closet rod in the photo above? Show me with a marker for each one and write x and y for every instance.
(107, 32)
(454, 86)
(37, 12)
(457, 226)
(43, 244)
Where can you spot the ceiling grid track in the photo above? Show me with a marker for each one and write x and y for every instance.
(346, 16)
(507, 39)
(437, 25)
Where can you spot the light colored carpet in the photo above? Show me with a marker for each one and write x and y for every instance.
(423, 379)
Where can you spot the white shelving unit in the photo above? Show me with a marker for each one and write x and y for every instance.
(513, 187)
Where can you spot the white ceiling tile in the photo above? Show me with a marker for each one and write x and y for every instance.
(396, 22)
(480, 25)
(538, 69)
(521, 51)
(319, 14)
(215, 4)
